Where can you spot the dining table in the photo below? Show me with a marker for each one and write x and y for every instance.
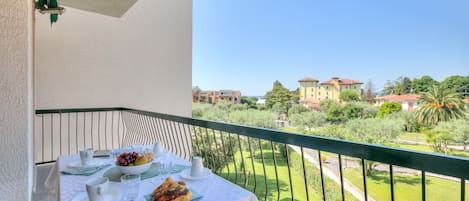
(211, 188)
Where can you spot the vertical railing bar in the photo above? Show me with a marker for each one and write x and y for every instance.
(120, 121)
(304, 173)
(92, 138)
(84, 130)
(52, 136)
(216, 145)
(60, 133)
(112, 129)
(424, 194)
(169, 135)
(322, 176)
(105, 130)
(127, 134)
(76, 132)
(147, 132)
(131, 132)
(275, 167)
(154, 133)
(179, 145)
(224, 153)
(197, 141)
(341, 178)
(139, 129)
(252, 163)
(159, 134)
(42, 128)
(166, 134)
(160, 131)
(234, 158)
(68, 131)
(463, 189)
(99, 128)
(203, 143)
(242, 162)
(391, 180)
(183, 139)
(188, 139)
(365, 190)
(263, 169)
(289, 172)
(209, 150)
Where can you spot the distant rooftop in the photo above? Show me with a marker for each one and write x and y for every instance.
(403, 97)
(308, 79)
(341, 81)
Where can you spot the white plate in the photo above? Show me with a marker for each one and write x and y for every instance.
(83, 196)
(186, 174)
(93, 163)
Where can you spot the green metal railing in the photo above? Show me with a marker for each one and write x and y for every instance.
(223, 146)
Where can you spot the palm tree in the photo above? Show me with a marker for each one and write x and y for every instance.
(439, 104)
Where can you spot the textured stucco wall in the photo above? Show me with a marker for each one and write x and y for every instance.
(141, 60)
(15, 99)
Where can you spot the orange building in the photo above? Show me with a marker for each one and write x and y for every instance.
(212, 97)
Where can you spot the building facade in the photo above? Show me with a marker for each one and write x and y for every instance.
(212, 97)
(313, 90)
(407, 101)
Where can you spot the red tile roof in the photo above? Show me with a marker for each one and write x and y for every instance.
(403, 97)
(311, 102)
(308, 79)
(344, 81)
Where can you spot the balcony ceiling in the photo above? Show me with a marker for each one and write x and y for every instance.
(114, 8)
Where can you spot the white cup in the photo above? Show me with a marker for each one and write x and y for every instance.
(197, 167)
(86, 156)
(158, 148)
(96, 188)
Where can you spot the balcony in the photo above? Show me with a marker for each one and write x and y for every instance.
(274, 165)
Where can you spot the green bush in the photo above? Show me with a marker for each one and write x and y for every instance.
(388, 108)
(349, 95)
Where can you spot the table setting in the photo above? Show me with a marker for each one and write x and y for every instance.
(139, 173)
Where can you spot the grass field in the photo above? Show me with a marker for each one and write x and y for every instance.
(407, 187)
(266, 184)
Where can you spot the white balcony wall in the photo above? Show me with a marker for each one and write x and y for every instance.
(16, 99)
(141, 60)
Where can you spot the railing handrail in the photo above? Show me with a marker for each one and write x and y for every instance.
(430, 162)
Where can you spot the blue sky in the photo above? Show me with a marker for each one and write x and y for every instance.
(248, 44)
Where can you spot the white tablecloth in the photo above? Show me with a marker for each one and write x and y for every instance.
(213, 188)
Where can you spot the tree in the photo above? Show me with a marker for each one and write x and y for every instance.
(410, 124)
(389, 88)
(449, 131)
(360, 110)
(297, 109)
(250, 101)
(326, 104)
(374, 131)
(336, 114)
(308, 120)
(349, 95)
(369, 92)
(460, 84)
(281, 95)
(439, 104)
(388, 108)
(423, 84)
(404, 85)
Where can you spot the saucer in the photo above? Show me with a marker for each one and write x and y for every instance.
(83, 196)
(93, 163)
(186, 174)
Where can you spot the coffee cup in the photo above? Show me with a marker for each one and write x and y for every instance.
(86, 156)
(97, 188)
(197, 167)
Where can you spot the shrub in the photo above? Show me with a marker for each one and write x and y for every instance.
(349, 95)
(388, 108)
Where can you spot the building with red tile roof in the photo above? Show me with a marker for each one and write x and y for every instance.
(311, 88)
(408, 101)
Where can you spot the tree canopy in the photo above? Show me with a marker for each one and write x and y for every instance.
(388, 108)
(281, 95)
(460, 84)
(439, 104)
(349, 95)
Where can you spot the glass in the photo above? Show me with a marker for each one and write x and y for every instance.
(130, 184)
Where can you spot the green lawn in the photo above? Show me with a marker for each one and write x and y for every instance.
(407, 187)
(429, 149)
(417, 137)
(299, 191)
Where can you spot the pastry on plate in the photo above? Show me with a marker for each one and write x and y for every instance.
(170, 190)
